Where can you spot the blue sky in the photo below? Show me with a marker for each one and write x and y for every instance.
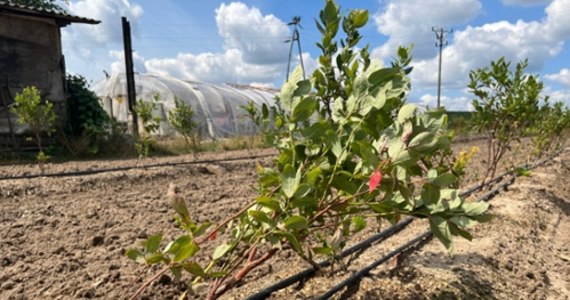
(243, 41)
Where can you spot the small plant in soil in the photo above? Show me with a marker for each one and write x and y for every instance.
(150, 124)
(38, 115)
(352, 153)
(181, 119)
(506, 107)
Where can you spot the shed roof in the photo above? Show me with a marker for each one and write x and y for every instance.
(62, 18)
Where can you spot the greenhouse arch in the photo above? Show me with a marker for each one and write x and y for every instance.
(217, 107)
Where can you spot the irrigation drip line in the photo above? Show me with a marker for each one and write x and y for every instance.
(105, 170)
(308, 272)
(388, 232)
(366, 270)
(363, 245)
(426, 235)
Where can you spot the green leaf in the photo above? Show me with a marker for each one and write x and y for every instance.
(261, 217)
(483, 218)
(176, 271)
(463, 221)
(200, 229)
(155, 258)
(135, 255)
(323, 250)
(358, 223)
(382, 207)
(152, 243)
(305, 109)
(359, 17)
(475, 208)
(194, 269)
(313, 175)
(217, 274)
(459, 231)
(182, 248)
(303, 190)
(186, 249)
(290, 179)
(343, 182)
(444, 180)
(296, 223)
(406, 112)
(421, 139)
(268, 202)
(220, 251)
(292, 239)
(382, 76)
(440, 228)
(303, 88)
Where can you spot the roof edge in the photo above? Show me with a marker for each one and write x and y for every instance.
(62, 18)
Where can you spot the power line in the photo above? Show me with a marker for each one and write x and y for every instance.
(441, 41)
(295, 38)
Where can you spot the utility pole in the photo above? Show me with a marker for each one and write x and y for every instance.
(295, 38)
(441, 41)
(130, 74)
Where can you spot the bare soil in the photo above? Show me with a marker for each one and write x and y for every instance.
(65, 237)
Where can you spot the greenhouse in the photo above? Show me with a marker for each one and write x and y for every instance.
(217, 107)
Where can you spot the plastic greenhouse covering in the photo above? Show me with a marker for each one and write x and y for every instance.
(216, 107)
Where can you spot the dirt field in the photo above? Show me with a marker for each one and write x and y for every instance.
(64, 238)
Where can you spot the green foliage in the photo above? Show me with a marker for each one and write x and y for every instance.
(87, 122)
(548, 134)
(349, 147)
(265, 120)
(507, 105)
(181, 119)
(144, 111)
(33, 112)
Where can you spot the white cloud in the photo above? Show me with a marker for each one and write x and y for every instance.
(525, 2)
(215, 67)
(109, 12)
(118, 66)
(85, 46)
(260, 38)
(562, 77)
(461, 103)
(475, 47)
(254, 51)
(409, 21)
(560, 96)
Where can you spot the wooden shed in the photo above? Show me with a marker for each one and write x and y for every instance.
(31, 54)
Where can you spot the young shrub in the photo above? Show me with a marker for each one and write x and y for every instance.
(38, 115)
(87, 122)
(149, 122)
(547, 135)
(505, 108)
(181, 119)
(349, 147)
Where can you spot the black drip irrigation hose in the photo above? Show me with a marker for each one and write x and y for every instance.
(366, 270)
(388, 232)
(424, 237)
(105, 170)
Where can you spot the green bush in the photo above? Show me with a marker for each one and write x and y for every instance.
(349, 148)
(181, 119)
(144, 111)
(88, 124)
(507, 105)
(37, 114)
